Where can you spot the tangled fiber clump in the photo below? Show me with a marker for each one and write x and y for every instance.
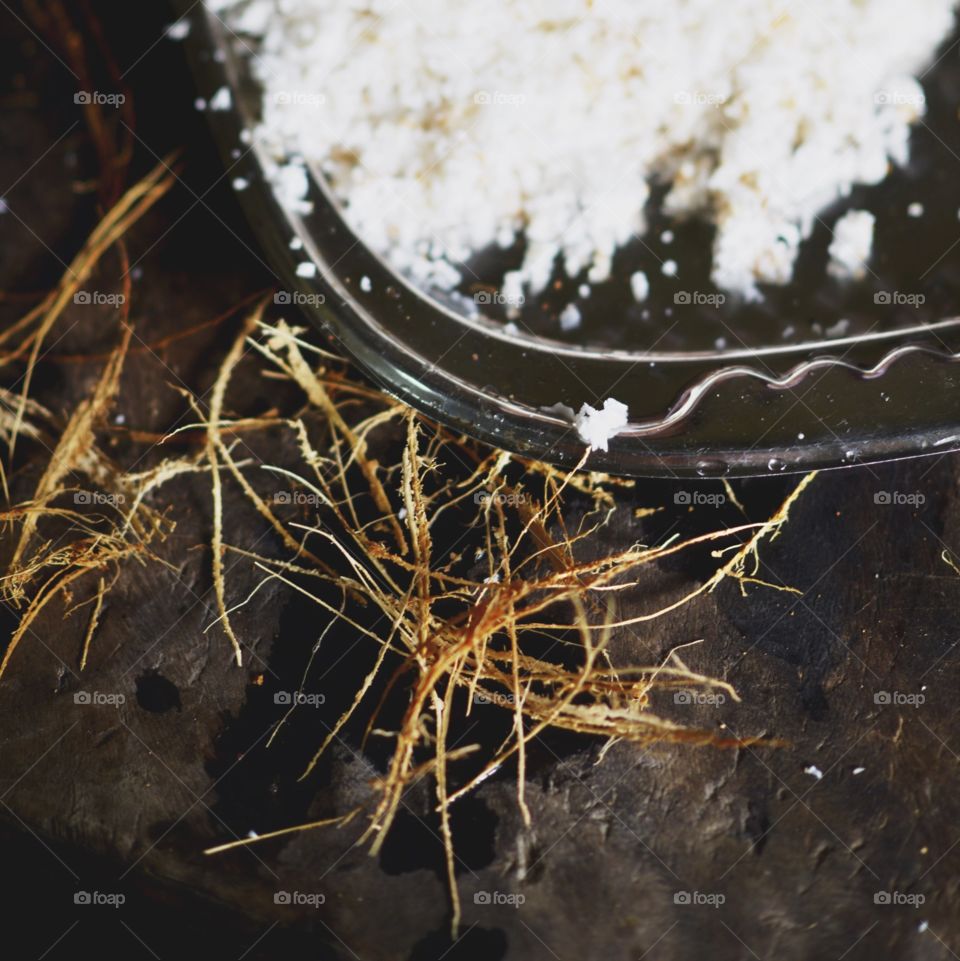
(468, 573)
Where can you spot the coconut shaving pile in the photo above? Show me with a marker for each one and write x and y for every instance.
(445, 129)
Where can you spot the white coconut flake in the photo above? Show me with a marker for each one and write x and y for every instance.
(179, 30)
(915, 210)
(597, 427)
(814, 771)
(222, 99)
(851, 245)
(570, 318)
(366, 284)
(307, 269)
(639, 286)
(839, 329)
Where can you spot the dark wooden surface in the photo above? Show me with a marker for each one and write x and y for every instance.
(124, 800)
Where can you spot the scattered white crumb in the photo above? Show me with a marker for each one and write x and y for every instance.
(813, 771)
(859, 770)
(240, 183)
(307, 269)
(667, 237)
(222, 99)
(639, 286)
(669, 268)
(923, 926)
(179, 30)
(839, 329)
(366, 284)
(720, 343)
(200, 103)
(402, 514)
(492, 579)
(851, 245)
(291, 185)
(585, 290)
(296, 243)
(915, 209)
(570, 318)
(596, 427)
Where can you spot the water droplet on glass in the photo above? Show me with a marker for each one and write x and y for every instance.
(712, 468)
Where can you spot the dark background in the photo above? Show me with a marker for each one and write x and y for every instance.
(124, 800)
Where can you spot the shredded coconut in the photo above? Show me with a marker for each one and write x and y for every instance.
(449, 129)
(597, 427)
(851, 245)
